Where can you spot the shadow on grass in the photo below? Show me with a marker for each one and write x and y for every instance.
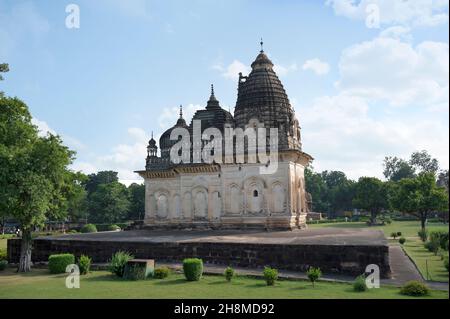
(106, 277)
(168, 282)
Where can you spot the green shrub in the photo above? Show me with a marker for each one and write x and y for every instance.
(423, 235)
(399, 234)
(84, 263)
(118, 262)
(134, 272)
(415, 288)
(402, 240)
(359, 284)
(229, 273)
(446, 262)
(113, 227)
(433, 246)
(3, 254)
(441, 237)
(394, 235)
(88, 228)
(193, 268)
(3, 264)
(57, 263)
(161, 272)
(314, 274)
(270, 275)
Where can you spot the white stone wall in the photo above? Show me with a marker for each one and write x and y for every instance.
(233, 197)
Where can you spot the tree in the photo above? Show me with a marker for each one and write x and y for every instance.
(423, 162)
(34, 178)
(316, 186)
(443, 179)
(4, 67)
(109, 203)
(371, 195)
(137, 201)
(419, 197)
(396, 168)
(102, 177)
(77, 199)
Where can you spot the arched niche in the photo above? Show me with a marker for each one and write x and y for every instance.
(200, 199)
(278, 198)
(187, 205)
(254, 193)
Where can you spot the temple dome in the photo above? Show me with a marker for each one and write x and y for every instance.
(261, 96)
(165, 142)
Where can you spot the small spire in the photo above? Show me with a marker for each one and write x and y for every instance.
(212, 89)
(181, 111)
(152, 134)
(262, 44)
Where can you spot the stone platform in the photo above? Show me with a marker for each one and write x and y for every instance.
(345, 251)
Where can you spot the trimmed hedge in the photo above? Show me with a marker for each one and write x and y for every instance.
(57, 263)
(88, 228)
(415, 288)
(107, 227)
(402, 240)
(229, 273)
(193, 268)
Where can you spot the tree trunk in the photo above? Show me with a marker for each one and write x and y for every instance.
(373, 218)
(25, 252)
(423, 220)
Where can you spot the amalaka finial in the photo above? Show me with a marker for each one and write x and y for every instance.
(262, 44)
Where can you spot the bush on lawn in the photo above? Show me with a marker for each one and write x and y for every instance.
(433, 246)
(402, 240)
(394, 235)
(441, 237)
(113, 227)
(88, 228)
(359, 284)
(415, 288)
(161, 273)
(3, 264)
(84, 264)
(399, 234)
(134, 272)
(118, 262)
(314, 274)
(229, 273)
(193, 269)
(58, 263)
(423, 235)
(2, 254)
(270, 275)
(446, 262)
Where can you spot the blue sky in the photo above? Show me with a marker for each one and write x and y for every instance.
(360, 92)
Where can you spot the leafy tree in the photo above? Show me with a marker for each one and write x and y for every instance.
(4, 67)
(137, 201)
(109, 203)
(34, 178)
(371, 194)
(443, 179)
(423, 162)
(419, 197)
(396, 168)
(102, 177)
(316, 186)
(77, 201)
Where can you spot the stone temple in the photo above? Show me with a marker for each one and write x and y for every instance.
(232, 194)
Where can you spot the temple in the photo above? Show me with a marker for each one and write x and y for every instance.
(230, 192)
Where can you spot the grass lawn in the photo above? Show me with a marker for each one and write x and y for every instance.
(101, 284)
(413, 246)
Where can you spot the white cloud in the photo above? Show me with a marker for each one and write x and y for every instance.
(232, 70)
(317, 66)
(170, 115)
(395, 71)
(281, 70)
(340, 134)
(393, 12)
(397, 32)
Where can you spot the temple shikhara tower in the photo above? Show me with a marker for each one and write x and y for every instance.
(232, 194)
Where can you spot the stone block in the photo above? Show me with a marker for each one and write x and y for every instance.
(139, 269)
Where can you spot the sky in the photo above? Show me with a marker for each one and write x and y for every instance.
(367, 78)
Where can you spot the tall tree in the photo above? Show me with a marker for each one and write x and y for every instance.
(419, 197)
(102, 177)
(396, 168)
(34, 178)
(443, 179)
(371, 194)
(137, 201)
(109, 203)
(316, 186)
(423, 162)
(77, 199)
(4, 67)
